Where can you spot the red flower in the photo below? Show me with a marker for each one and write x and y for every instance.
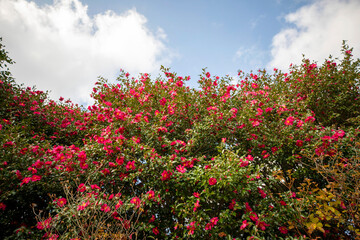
(181, 168)
(212, 181)
(25, 180)
(244, 225)
(254, 216)
(155, 231)
(262, 225)
(289, 121)
(283, 230)
(35, 178)
(299, 143)
(130, 165)
(136, 201)
(105, 208)
(83, 206)
(196, 205)
(152, 219)
(61, 202)
(212, 223)
(151, 194)
(119, 204)
(248, 208)
(166, 175)
(262, 193)
(2, 206)
(81, 188)
(191, 228)
(214, 220)
(249, 157)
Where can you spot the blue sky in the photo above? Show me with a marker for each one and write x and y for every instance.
(64, 45)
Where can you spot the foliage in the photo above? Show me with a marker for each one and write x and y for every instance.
(269, 156)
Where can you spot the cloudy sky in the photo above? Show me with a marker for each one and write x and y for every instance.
(64, 45)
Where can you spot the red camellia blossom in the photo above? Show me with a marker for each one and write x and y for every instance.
(2, 206)
(35, 178)
(212, 181)
(82, 187)
(262, 193)
(181, 168)
(119, 204)
(289, 121)
(155, 230)
(136, 201)
(130, 166)
(191, 228)
(212, 223)
(151, 194)
(44, 224)
(196, 205)
(61, 202)
(166, 175)
(244, 225)
(105, 208)
(262, 225)
(152, 219)
(83, 205)
(283, 230)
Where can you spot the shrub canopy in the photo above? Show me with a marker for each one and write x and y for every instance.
(268, 155)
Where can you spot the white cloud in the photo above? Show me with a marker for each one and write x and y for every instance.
(319, 29)
(252, 57)
(59, 47)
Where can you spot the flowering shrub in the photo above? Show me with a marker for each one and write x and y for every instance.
(268, 156)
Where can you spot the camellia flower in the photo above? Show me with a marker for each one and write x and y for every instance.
(83, 206)
(25, 180)
(289, 121)
(214, 220)
(299, 143)
(166, 175)
(136, 201)
(191, 228)
(44, 224)
(262, 193)
(2, 206)
(119, 204)
(155, 230)
(151, 194)
(105, 208)
(212, 181)
(53, 237)
(82, 187)
(244, 225)
(262, 225)
(35, 178)
(61, 202)
(181, 168)
(212, 223)
(196, 205)
(152, 219)
(130, 165)
(254, 216)
(283, 230)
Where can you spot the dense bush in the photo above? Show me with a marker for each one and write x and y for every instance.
(270, 156)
